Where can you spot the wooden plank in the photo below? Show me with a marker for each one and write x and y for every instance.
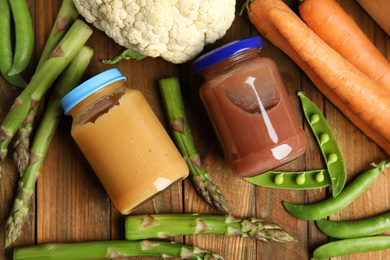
(359, 150)
(71, 205)
(239, 193)
(144, 75)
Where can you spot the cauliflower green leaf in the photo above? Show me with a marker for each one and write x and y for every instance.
(126, 54)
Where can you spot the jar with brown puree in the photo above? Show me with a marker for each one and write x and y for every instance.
(249, 108)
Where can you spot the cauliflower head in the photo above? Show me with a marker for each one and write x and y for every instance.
(176, 30)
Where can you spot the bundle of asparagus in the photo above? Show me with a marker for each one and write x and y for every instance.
(41, 81)
(113, 249)
(69, 79)
(66, 16)
(165, 225)
(174, 107)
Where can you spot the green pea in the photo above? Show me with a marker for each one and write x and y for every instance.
(331, 205)
(300, 179)
(289, 180)
(320, 177)
(279, 179)
(352, 229)
(324, 138)
(351, 246)
(332, 158)
(327, 143)
(314, 118)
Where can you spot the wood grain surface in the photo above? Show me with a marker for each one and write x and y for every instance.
(70, 205)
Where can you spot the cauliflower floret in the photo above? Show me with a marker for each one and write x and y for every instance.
(176, 30)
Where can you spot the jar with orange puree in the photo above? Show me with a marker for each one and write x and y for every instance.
(249, 108)
(123, 140)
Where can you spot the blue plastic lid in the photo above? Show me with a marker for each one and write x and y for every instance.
(89, 87)
(226, 51)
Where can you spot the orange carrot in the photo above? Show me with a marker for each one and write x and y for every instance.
(329, 21)
(258, 12)
(367, 99)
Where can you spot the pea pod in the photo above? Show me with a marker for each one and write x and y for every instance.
(24, 36)
(6, 53)
(292, 180)
(332, 205)
(352, 229)
(327, 142)
(351, 246)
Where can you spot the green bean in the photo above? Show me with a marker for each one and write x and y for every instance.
(303, 180)
(351, 246)
(24, 36)
(352, 229)
(327, 142)
(6, 54)
(332, 205)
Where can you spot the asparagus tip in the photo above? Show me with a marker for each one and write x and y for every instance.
(12, 233)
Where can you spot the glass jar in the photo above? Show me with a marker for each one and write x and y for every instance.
(249, 108)
(123, 140)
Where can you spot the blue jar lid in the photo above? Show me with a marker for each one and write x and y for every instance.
(89, 87)
(226, 51)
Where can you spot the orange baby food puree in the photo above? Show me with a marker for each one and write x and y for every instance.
(128, 148)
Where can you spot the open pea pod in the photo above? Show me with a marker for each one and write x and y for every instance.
(304, 180)
(328, 144)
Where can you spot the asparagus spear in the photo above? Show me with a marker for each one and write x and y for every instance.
(112, 249)
(50, 120)
(174, 108)
(165, 225)
(66, 16)
(61, 56)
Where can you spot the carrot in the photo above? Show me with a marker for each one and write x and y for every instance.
(367, 99)
(329, 21)
(258, 13)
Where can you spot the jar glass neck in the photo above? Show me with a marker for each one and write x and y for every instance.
(94, 96)
(221, 66)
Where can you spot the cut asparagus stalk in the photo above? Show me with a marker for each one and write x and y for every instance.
(112, 249)
(174, 108)
(50, 120)
(61, 56)
(166, 225)
(66, 16)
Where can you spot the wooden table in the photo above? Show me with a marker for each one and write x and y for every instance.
(69, 203)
